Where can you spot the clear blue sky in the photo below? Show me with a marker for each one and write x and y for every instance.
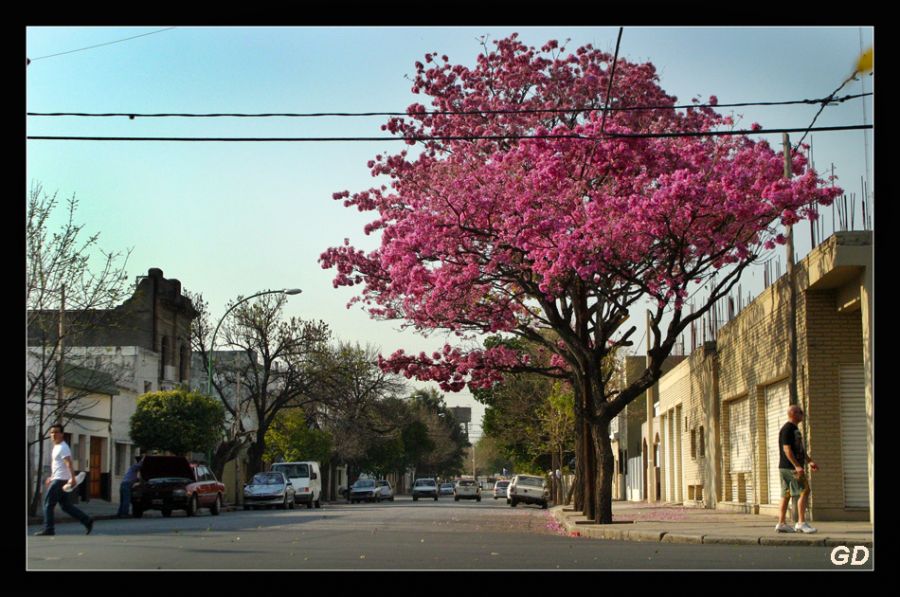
(236, 218)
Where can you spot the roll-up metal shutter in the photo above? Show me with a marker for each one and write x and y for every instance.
(739, 435)
(778, 397)
(854, 445)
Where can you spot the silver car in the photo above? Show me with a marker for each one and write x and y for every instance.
(386, 492)
(500, 489)
(365, 490)
(269, 490)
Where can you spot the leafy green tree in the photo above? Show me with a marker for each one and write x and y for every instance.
(290, 438)
(177, 421)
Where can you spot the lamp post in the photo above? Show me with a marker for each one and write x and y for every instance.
(212, 342)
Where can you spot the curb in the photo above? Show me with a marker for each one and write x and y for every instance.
(35, 520)
(583, 528)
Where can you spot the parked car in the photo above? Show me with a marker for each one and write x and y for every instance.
(500, 489)
(386, 492)
(446, 489)
(528, 489)
(365, 489)
(306, 479)
(172, 483)
(269, 489)
(467, 489)
(426, 487)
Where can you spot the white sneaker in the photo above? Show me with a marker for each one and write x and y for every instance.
(784, 528)
(803, 527)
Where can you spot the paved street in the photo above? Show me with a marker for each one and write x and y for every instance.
(402, 535)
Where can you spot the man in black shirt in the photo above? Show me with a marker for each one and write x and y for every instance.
(793, 476)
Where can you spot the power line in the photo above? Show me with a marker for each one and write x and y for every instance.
(109, 43)
(450, 138)
(133, 115)
(611, 75)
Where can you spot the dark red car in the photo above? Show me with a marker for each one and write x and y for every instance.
(172, 483)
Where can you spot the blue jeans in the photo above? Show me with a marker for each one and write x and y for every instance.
(125, 497)
(54, 495)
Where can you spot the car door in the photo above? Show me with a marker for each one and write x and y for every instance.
(206, 489)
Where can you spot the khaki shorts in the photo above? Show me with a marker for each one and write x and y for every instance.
(791, 484)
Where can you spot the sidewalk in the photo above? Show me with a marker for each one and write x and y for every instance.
(98, 510)
(668, 523)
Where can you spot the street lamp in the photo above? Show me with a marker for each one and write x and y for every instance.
(212, 342)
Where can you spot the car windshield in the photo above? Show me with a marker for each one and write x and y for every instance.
(466, 483)
(292, 471)
(267, 479)
(501, 484)
(364, 483)
(531, 481)
(428, 482)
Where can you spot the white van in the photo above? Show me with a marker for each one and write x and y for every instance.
(306, 479)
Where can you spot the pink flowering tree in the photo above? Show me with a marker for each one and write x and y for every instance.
(554, 239)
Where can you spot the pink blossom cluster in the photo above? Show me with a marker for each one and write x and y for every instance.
(476, 233)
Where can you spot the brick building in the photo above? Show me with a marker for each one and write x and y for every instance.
(726, 404)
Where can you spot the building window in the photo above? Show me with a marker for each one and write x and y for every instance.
(163, 357)
(693, 443)
(702, 443)
(183, 364)
(121, 459)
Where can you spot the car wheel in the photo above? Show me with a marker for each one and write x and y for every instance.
(309, 504)
(435, 498)
(167, 512)
(217, 505)
(415, 499)
(543, 505)
(136, 512)
(513, 503)
(192, 506)
(319, 501)
(455, 498)
(478, 499)
(246, 507)
(284, 505)
(292, 504)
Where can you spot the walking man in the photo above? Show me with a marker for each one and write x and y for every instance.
(125, 487)
(794, 481)
(61, 473)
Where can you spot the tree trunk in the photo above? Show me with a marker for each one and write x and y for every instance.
(605, 470)
(256, 452)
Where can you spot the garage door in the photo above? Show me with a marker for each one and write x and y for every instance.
(853, 437)
(739, 435)
(777, 401)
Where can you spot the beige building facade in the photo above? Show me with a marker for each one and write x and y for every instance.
(715, 439)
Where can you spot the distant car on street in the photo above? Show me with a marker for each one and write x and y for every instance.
(385, 491)
(528, 489)
(446, 489)
(272, 489)
(172, 483)
(467, 489)
(364, 490)
(500, 488)
(426, 487)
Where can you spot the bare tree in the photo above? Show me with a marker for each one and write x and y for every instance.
(273, 369)
(70, 285)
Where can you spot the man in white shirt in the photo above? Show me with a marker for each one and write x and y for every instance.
(61, 474)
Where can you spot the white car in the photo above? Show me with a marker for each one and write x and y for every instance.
(500, 488)
(427, 487)
(365, 490)
(528, 489)
(466, 489)
(386, 492)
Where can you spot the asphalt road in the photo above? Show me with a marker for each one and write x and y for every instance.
(400, 535)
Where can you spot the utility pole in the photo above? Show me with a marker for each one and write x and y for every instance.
(792, 310)
(651, 449)
(59, 355)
